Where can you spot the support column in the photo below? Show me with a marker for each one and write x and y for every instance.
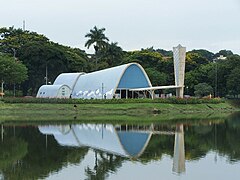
(179, 92)
(46, 141)
(152, 94)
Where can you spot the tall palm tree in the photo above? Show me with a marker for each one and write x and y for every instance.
(114, 54)
(96, 38)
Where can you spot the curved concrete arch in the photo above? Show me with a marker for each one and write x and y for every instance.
(142, 70)
(105, 82)
(142, 147)
(97, 136)
(69, 79)
(53, 91)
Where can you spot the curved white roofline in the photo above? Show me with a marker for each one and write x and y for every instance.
(50, 90)
(65, 78)
(89, 135)
(142, 150)
(53, 86)
(127, 66)
(105, 82)
(102, 83)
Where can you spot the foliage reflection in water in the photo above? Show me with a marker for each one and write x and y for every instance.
(105, 151)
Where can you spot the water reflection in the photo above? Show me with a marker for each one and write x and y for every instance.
(111, 143)
(123, 140)
(105, 137)
(33, 152)
(23, 154)
(179, 150)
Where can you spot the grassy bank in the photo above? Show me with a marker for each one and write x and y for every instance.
(172, 100)
(112, 112)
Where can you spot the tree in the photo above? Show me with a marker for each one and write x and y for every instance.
(165, 53)
(203, 74)
(194, 60)
(39, 54)
(203, 89)
(40, 57)
(112, 54)
(203, 53)
(223, 70)
(145, 58)
(12, 71)
(157, 78)
(233, 82)
(97, 38)
(190, 82)
(11, 39)
(225, 53)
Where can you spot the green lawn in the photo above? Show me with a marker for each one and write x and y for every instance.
(139, 112)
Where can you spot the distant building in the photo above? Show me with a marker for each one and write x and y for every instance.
(221, 57)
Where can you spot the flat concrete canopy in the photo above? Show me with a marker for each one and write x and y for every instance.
(156, 88)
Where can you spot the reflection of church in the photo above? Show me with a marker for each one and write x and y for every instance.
(101, 137)
(124, 140)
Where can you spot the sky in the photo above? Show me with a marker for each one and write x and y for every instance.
(134, 24)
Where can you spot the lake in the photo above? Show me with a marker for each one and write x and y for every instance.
(169, 150)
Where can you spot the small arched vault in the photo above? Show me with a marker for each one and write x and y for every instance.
(54, 91)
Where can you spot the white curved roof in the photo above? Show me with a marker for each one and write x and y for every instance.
(46, 91)
(49, 131)
(69, 79)
(102, 137)
(95, 84)
(61, 129)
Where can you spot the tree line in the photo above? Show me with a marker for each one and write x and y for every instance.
(30, 60)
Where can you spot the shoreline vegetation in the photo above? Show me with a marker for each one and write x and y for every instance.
(172, 100)
(113, 111)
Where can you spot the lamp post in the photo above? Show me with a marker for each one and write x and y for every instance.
(14, 85)
(216, 77)
(103, 95)
(2, 93)
(46, 74)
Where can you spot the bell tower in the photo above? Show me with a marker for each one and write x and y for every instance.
(179, 55)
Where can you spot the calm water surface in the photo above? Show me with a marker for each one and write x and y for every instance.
(206, 149)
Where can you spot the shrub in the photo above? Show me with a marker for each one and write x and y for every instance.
(112, 101)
